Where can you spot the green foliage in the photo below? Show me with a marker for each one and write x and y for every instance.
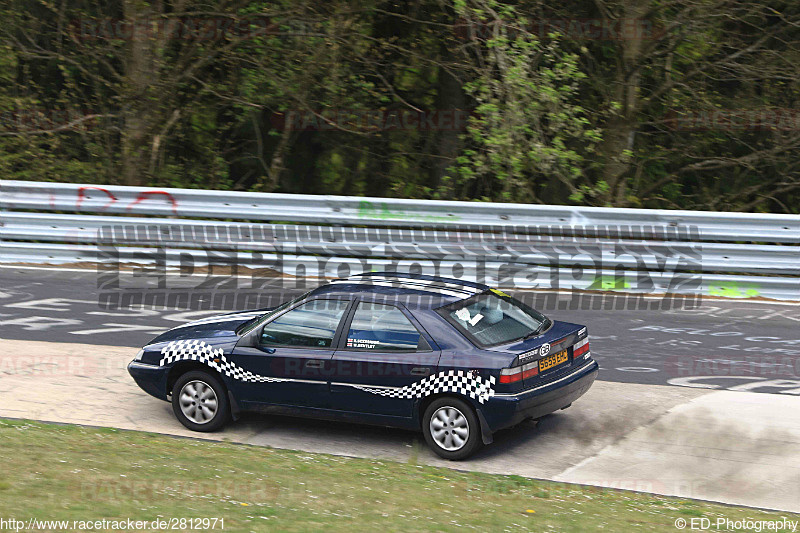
(529, 131)
(556, 114)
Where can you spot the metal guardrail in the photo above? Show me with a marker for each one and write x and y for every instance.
(527, 246)
(298, 240)
(68, 197)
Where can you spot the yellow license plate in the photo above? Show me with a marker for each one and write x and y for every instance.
(553, 360)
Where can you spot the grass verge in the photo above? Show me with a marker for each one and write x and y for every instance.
(63, 472)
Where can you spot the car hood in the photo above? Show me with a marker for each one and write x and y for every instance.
(209, 328)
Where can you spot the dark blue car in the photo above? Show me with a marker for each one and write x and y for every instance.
(458, 360)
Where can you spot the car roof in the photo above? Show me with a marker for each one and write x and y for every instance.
(410, 289)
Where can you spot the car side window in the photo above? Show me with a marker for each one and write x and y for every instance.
(383, 328)
(310, 325)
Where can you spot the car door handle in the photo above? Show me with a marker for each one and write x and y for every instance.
(420, 371)
(315, 363)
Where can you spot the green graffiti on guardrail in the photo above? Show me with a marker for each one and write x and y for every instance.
(733, 289)
(368, 210)
(609, 283)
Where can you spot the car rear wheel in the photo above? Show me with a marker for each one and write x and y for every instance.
(199, 401)
(451, 428)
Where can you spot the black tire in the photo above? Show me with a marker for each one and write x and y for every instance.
(197, 380)
(472, 441)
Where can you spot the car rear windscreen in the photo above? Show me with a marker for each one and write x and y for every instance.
(490, 319)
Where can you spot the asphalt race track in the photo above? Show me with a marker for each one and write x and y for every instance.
(719, 344)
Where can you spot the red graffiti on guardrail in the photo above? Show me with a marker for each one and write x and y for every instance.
(82, 195)
(142, 197)
(146, 194)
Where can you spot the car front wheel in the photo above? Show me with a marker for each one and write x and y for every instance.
(451, 428)
(199, 401)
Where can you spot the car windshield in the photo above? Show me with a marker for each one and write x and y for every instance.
(494, 318)
(247, 326)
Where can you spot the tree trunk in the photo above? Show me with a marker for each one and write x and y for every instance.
(137, 108)
(450, 100)
(620, 130)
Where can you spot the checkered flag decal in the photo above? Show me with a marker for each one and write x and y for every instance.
(457, 381)
(450, 381)
(194, 350)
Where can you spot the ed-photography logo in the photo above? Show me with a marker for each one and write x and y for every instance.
(237, 266)
(727, 524)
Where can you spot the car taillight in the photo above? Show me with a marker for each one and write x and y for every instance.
(518, 373)
(510, 375)
(580, 348)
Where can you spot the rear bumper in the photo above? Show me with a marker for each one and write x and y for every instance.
(151, 378)
(505, 410)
